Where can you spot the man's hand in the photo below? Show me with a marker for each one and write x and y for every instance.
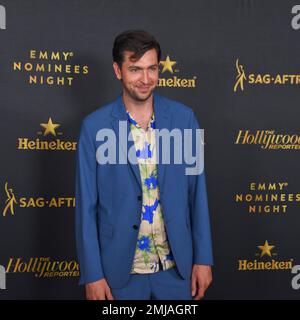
(201, 279)
(98, 290)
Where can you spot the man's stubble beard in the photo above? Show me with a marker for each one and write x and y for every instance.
(136, 97)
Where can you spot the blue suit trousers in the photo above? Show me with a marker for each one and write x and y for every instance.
(161, 285)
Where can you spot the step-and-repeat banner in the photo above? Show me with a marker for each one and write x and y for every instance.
(236, 63)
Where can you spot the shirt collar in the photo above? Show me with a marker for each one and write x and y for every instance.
(131, 120)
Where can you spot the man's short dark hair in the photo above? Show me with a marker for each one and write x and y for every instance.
(137, 41)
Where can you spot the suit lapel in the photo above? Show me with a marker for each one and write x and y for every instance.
(119, 114)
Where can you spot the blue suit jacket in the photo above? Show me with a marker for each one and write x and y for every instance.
(109, 206)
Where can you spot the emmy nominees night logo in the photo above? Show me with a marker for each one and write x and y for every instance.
(2, 18)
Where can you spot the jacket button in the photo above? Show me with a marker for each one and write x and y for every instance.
(139, 197)
(135, 226)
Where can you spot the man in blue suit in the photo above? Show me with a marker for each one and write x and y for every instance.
(142, 225)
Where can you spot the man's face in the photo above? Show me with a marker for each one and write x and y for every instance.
(139, 78)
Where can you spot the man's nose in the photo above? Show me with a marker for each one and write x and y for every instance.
(145, 76)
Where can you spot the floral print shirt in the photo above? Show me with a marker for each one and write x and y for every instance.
(152, 249)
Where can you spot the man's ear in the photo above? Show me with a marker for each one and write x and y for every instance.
(117, 71)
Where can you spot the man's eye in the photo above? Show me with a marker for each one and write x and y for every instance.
(134, 70)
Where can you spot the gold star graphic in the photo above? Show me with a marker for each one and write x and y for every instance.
(49, 127)
(168, 65)
(266, 249)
